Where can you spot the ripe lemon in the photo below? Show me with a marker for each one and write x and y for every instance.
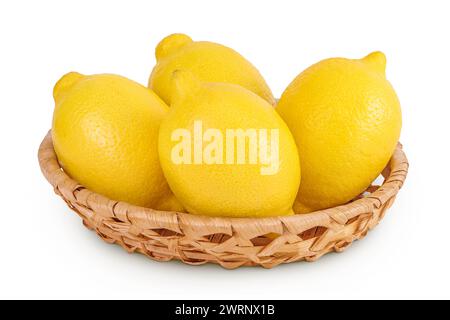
(211, 62)
(105, 134)
(226, 152)
(346, 120)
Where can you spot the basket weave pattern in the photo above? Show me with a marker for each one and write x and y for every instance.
(230, 242)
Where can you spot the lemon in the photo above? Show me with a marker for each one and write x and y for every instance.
(105, 134)
(211, 62)
(226, 152)
(346, 120)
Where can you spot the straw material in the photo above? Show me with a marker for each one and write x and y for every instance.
(230, 242)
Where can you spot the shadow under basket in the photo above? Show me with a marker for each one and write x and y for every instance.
(230, 242)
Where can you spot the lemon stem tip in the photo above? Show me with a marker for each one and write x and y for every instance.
(171, 44)
(377, 60)
(65, 83)
(184, 83)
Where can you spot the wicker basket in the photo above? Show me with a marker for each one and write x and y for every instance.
(230, 242)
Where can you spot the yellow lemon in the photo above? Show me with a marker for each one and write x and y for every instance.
(226, 152)
(105, 134)
(211, 62)
(346, 120)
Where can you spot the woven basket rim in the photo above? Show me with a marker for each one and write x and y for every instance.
(184, 223)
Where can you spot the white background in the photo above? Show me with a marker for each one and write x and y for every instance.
(46, 253)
